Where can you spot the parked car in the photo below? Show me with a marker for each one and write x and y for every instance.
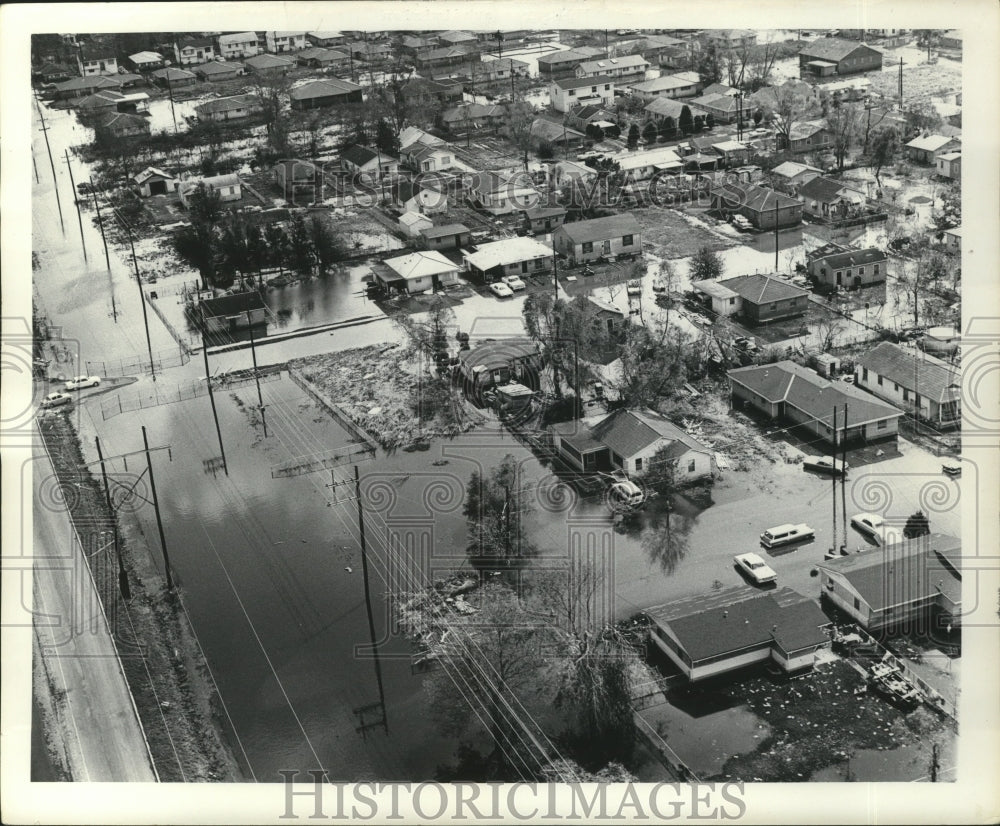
(825, 464)
(625, 495)
(752, 566)
(81, 382)
(952, 467)
(868, 523)
(56, 400)
(634, 288)
(741, 223)
(501, 290)
(786, 535)
(514, 282)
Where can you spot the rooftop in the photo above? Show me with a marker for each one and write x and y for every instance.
(762, 289)
(323, 88)
(830, 48)
(913, 369)
(757, 198)
(228, 103)
(580, 82)
(508, 251)
(826, 189)
(444, 230)
(628, 432)
(597, 229)
(607, 64)
(420, 264)
(228, 305)
(269, 61)
(930, 143)
(852, 258)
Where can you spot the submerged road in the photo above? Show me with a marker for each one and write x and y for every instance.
(100, 732)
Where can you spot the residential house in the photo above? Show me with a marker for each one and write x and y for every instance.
(316, 57)
(621, 69)
(757, 298)
(712, 634)
(470, 116)
(96, 60)
(951, 40)
(563, 63)
(569, 93)
(543, 219)
(720, 89)
(423, 91)
(544, 130)
(410, 135)
(916, 580)
(686, 85)
(104, 100)
(124, 125)
(628, 440)
(582, 116)
(733, 153)
(788, 177)
(368, 164)
(414, 223)
(53, 72)
(848, 267)
(370, 51)
(927, 148)
(146, 61)
(235, 107)
(499, 362)
(426, 196)
(724, 108)
(423, 158)
(269, 65)
(646, 163)
(659, 50)
(445, 57)
(216, 71)
(192, 51)
(446, 237)
(172, 78)
(413, 44)
(511, 256)
(501, 194)
(152, 181)
(830, 200)
(606, 315)
(726, 39)
(81, 86)
(233, 312)
(565, 173)
(500, 70)
(130, 79)
(317, 94)
(663, 107)
(326, 39)
(583, 241)
(953, 239)
(806, 136)
(457, 38)
(284, 42)
(913, 380)
(299, 181)
(790, 392)
(238, 45)
(834, 56)
(228, 187)
(761, 206)
(416, 272)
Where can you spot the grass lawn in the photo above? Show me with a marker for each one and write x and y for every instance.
(678, 235)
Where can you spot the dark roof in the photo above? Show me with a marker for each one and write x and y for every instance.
(323, 88)
(598, 229)
(757, 198)
(82, 83)
(268, 61)
(122, 120)
(734, 619)
(914, 370)
(229, 305)
(807, 391)
(550, 130)
(196, 42)
(830, 48)
(496, 354)
(215, 67)
(444, 230)
(665, 107)
(822, 189)
(173, 74)
(628, 432)
(851, 258)
(762, 289)
(580, 82)
(225, 104)
(905, 571)
(588, 111)
(569, 55)
(578, 435)
(544, 212)
(358, 155)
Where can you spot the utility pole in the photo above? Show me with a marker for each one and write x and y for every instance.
(34, 164)
(834, 480)
(368, 601)
(843, 477)
(256, 375)
(104, 240)
(142, 297)
(900, 84)
(156, 507)
(123, 585)
(935, 763)
(55, 182)
(775, 227)
(76, 203)
(211, 397)
(170, 94)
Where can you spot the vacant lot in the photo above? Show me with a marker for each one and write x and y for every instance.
(676, 234)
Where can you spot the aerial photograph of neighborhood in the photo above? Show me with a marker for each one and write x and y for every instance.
(497, 405)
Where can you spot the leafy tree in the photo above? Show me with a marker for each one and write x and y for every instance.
(668, 128)
(920, 274)
(885, 146)
(302, 257)
(686, 122)
(921, 116)
(326, 245)
(917, 525)
(705, 264)
(278, 247)
(272, 92)
(428, 334)
(632, 141)
(495, 510)
(668, 540)
(661, 475)
(758, 116)
(546, 151)
(709, 65)
(594, 132)
(699, 123)
(649, 132)
(655, 360)
(790, 106)
(386, 139)
(843, 124)
(197, 245)
(234, 247)
(520, 115)
(709, 121)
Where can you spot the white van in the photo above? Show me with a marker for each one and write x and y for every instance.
(785, 535)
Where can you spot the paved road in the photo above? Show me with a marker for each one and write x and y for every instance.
(102, 737)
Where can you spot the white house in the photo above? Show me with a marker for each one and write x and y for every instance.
(627, 67)
(368, 164)
(416, 272)
(194, 51)
(668, 86)
(414, 223)
(569, 93)
(912, 380)
(153, 181)
(228, 187)
(241, 44)
(283, 42)
(423, 158)
(509, 256)
(500, 195)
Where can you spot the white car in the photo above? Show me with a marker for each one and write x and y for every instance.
(81, 382)
(824, 464)
(754, 567)
(514, 282)
(625, 496)
(56, 400)
(634, 288)
(501, 290)
(868, 523)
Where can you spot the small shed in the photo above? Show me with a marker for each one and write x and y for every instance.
(233, 312)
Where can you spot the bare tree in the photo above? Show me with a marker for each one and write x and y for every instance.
(842, 122)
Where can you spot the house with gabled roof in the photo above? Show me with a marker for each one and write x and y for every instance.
(830, 200)
(81, 86)
(927, 148)
(502, 68)
(422, 157)
(216, 71)
(543, 219)
(228, 187)
(583, 241)
(621, 69)
(234, 107)
(949, 165)
(582, 116)
(568, 93)
(468, 116)
(416, 272)
(425, 196)
(238, 45)
(726, 630)
(664, 107)
(269, 65)
(330, 91)
(667, 86)
(284, 42)
(761, 206)
(757, 298)
(806, 136)
(723, 107)
(316, 57)
(846, 267)
(913, 380)
(913, 580)
(545, 130)
(493, 260)
(105, 99)
(446, 236)
(326, 39)
(146, 61)
(191, 51)
(174, 78)
(367, 163)
(501, 194)
(153, 181)
(562, 63)
(834, 56)
(233, 312)
(725, 39)
(789, 176)
(787, 391)
(96, 59)
(124, 125)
